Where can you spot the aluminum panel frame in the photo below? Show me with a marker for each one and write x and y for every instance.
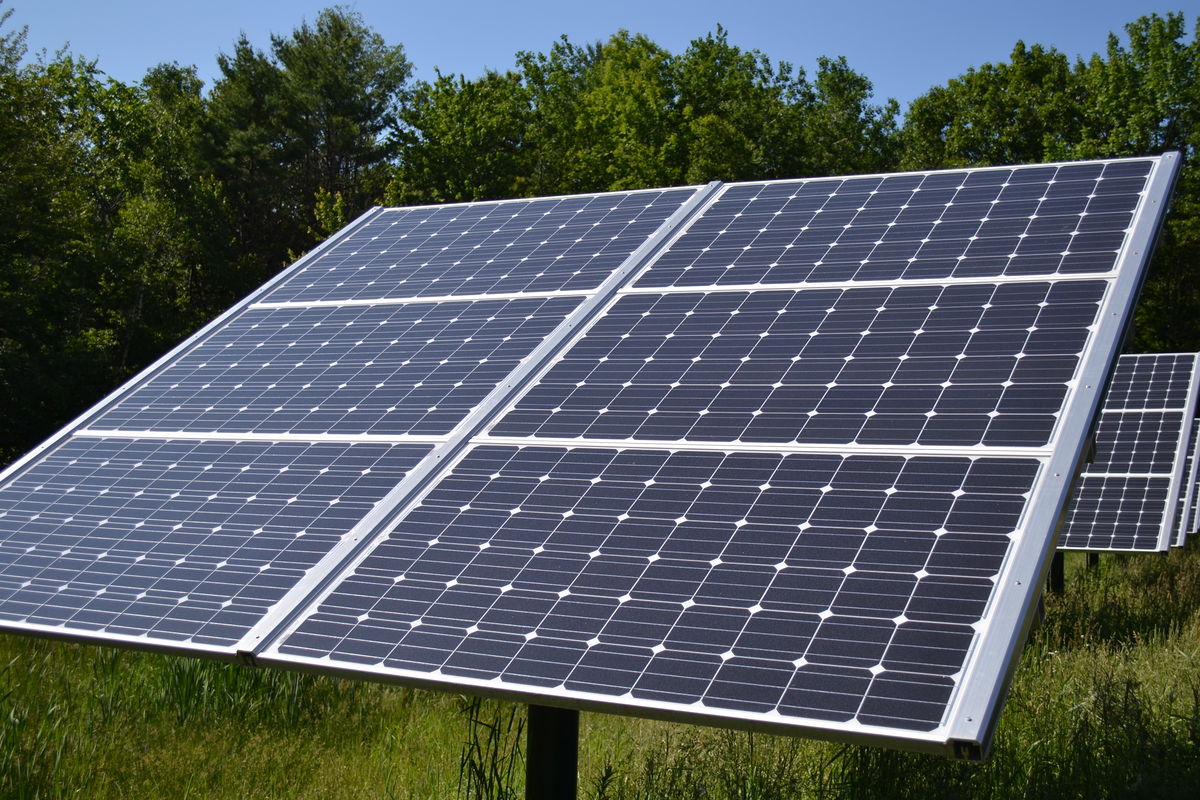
(990, 669)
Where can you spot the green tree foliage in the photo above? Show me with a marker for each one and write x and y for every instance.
(1008, 113)
(622, 123)
(131, 213)
(625, 113)
(309, 117)
(843, 132)
(463, 140)
(100, 246)
(343, 86)
(736, 113)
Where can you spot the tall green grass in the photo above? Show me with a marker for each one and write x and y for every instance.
(1106, 704)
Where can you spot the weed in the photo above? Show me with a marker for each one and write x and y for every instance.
(491, 757)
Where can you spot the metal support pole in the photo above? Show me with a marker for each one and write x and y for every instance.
(1093, 560)
(1057, 573)
(551, 753)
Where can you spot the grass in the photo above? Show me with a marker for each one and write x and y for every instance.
(1106, 704)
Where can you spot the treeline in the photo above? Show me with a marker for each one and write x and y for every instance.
(131, 214)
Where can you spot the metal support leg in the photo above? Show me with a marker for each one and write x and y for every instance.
(551, 753)
(1057, 573)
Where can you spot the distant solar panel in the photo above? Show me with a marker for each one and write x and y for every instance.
(184, 511)
(1187, 496)
(801, 474)
(1129, 497)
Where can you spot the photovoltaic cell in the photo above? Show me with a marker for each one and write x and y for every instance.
(1129, 497)
(950, 364)
(841, 588)
(381, 369)
(178, 540)
(1053, 220)
(538, 245)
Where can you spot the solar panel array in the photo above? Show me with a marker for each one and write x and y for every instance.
(182, 511)
(768, 486)
(1128, 498)
(782, 455)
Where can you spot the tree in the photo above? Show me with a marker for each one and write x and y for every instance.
(736, 112)
(1022, 111)
(310, 117)
(463, 140)
(247, 146)
(343, 89)
(841, 130)
(97, 261)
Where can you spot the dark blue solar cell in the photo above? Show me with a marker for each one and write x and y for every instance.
(179, 540)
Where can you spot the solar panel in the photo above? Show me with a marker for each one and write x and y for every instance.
(1194, 482)
(801, 474)
(186, 511)
(1044, 220)
(951, 364)
(518, 246)
(760, 582)
(181, 540)
(414, 368)
(1186, 510)
(1129, 495)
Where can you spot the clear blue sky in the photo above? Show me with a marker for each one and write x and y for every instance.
(903, 46)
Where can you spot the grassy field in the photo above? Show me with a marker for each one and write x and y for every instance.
(1106, 703)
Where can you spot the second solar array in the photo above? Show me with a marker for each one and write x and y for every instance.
(1127, 498)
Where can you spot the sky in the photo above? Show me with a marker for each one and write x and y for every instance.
(904, 46)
